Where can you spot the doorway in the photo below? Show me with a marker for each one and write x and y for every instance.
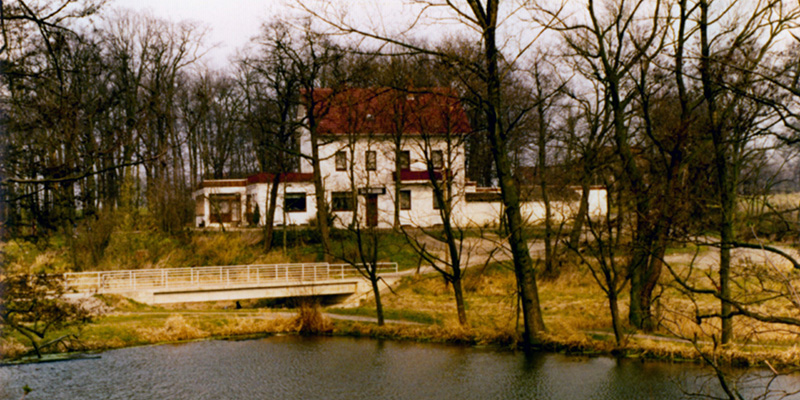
(372, 210)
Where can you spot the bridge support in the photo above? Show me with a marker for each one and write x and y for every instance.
(266, 291)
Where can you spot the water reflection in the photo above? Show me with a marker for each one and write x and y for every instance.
(288, 367)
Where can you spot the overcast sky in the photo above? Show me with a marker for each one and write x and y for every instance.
(233, 22)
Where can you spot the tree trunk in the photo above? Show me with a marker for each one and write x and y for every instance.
(523, 266)
(398, 148)
(374, 279)
(724, 186)
(549, 264)
(615, 321)
(319, 187)
(269, 223)
(459, 295)
(583, 211)
(645, 270)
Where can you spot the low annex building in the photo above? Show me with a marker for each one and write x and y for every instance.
(379, 149)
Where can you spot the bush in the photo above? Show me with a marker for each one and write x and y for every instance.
(310, 320)
(34, 307)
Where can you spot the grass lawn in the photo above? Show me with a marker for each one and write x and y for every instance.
(575, 311)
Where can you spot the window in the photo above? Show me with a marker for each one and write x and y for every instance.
(342, 201)
(225, 207)
(405, 199)
(371, 160)
(294, 202)
(405, 160)
(437, 159)
(341, 160)
(436, 204)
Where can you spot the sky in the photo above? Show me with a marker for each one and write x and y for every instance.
(233, 23)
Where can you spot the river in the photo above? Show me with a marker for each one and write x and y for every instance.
(292, 367)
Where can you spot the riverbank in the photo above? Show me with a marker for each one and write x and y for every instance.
(122, 330)
(421, 309)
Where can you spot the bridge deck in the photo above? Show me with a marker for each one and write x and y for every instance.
(223, 282)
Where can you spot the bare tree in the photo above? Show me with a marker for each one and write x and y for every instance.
(732, 91)
(614, 43)
(439, 118)
(483, 18)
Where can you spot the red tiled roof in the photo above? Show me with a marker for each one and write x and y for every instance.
(385, 110)
(266, 177)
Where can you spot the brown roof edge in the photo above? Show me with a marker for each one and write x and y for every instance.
(222, 183)
(266, 177)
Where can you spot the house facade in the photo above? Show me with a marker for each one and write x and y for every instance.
(379, 149)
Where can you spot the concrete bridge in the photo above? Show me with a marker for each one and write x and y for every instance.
(233, 282)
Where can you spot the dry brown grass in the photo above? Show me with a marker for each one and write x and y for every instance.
(174, 329)
(430, 333)
(758, 283)
(574, 307)
(11, 348)
(244, 326)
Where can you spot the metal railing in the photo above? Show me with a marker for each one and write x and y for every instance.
(217, 276)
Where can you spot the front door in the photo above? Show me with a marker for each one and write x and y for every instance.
(372, 210)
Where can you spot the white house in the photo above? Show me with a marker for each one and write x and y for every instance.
(358, 132)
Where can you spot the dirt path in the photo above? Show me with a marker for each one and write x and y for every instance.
(477, 251)
(708, 257)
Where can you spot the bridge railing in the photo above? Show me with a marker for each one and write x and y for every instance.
(215, 276)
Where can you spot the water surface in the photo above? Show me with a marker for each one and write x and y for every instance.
(290, 367)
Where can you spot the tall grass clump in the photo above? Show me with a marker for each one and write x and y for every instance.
(175, 328)
(310, 320)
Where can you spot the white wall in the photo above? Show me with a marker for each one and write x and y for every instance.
(205, 219)
(261, 192)
(598, 201)
(422, 213)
